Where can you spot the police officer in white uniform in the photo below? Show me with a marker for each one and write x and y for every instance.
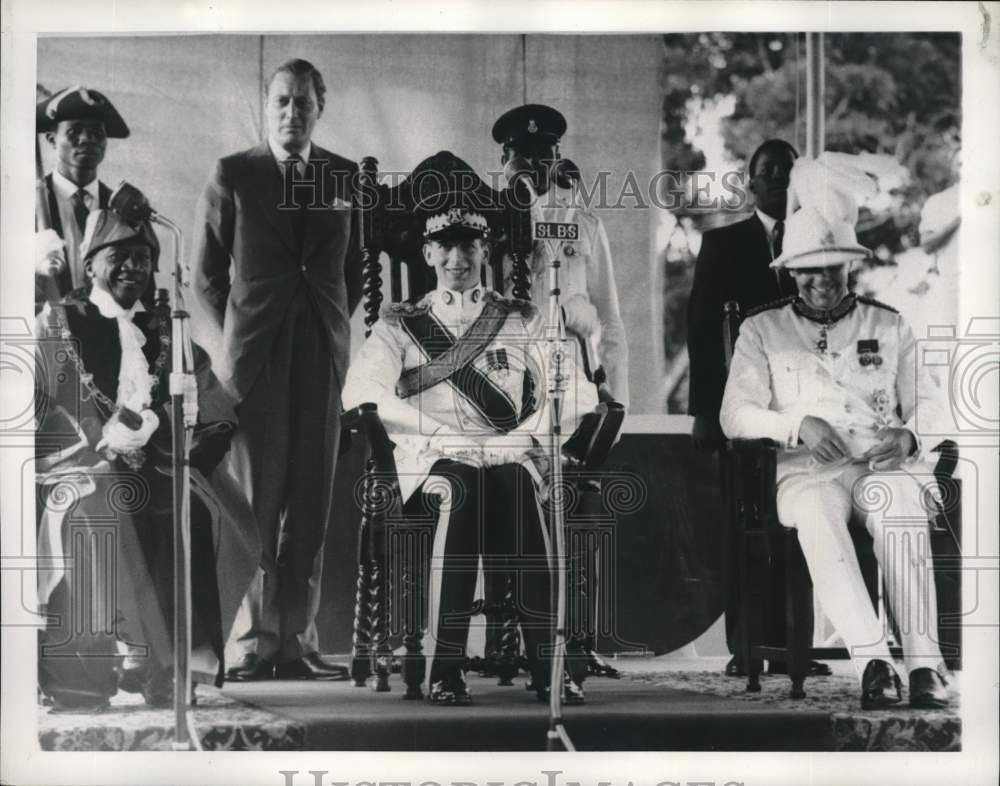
(831, 377)
(459, 378)
(532, 134)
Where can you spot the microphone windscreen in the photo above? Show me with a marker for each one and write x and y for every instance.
(130, 203)
(565, 172)
(516, 168)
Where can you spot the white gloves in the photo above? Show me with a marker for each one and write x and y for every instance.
(120, 439)
(50, 253)
(581, 316)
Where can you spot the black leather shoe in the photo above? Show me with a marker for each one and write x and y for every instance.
(927, 690)
(735, 668)
(880, 686)
(249, 668)
(158, 689)
(131, 680)
(572, 696)
(450, 692)
(598, 667)
(311, 667)
(816, 669)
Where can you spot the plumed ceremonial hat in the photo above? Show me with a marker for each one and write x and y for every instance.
(939, 218)
(106, 228)
(531, 121)
(449, 200)
(823, 196)
(79, 103)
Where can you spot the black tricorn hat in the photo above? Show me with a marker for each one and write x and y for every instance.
(448, 198)
(531, 121)
(79, 103)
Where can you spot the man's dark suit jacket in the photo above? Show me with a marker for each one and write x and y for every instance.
(239, 221)
(64, 280)
(733, 264)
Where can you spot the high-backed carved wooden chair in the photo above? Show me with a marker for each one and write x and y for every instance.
(751, 472)
(394, 549)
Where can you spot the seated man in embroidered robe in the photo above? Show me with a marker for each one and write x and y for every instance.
(459, 378)
(833, 379)
(103, 468)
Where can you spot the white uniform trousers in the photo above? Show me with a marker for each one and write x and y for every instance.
(894, 507)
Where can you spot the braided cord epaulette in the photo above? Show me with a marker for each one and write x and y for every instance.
(392, 312)
(877, 303)
(781, 302)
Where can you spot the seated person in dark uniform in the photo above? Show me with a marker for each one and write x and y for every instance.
(103, 466)
(468, 427)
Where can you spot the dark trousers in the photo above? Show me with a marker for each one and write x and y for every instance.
(490, 512)
(284, 454)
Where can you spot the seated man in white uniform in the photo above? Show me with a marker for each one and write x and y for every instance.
(459, 378)
(831, 377)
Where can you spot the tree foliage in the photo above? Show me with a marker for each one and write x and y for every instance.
(891, 93)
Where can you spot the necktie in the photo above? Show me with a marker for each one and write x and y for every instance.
(786, 285)
(298, 198)
(80, 210)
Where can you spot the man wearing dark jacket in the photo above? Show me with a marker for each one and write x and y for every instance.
(276, 269)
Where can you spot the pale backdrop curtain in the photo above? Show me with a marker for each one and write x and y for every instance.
(193, 98)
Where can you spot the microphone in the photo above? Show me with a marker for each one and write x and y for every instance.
(131, 204)
(519, 172)
(565, 173)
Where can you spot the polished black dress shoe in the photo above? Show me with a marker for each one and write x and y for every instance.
(450, 692)
(249, 668)
(572, 695)
(816, 669)
(880, 686)
(927, 690)
(598, 667)
(311, 667)
(131, 680)
(158, 689)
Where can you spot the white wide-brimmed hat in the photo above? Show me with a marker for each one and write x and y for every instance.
(823, 195)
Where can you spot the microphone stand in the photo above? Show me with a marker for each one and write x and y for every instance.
(183, 418)
(131, 204)
(556, 386)
(556, 381)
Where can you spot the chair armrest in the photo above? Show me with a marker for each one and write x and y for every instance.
(744, 445)
(364, 419)
(590, 444)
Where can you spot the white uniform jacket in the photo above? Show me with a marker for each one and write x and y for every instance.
(447, 420)
(586, 270)
(862, 380)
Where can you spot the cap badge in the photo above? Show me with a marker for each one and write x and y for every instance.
(455, 216)
(532, 127)
(828, 239)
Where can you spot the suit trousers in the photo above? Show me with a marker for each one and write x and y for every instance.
(490, 512)
(894, 507)
(284, 454)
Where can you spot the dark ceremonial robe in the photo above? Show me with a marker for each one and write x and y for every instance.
(105, 539)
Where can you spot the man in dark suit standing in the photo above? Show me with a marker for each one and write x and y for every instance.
(734, 264)
(77, 123)
(281, 215)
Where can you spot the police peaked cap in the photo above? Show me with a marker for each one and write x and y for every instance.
(79, 103)
(536, 121)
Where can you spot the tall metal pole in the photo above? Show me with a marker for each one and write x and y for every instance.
(815, 95)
